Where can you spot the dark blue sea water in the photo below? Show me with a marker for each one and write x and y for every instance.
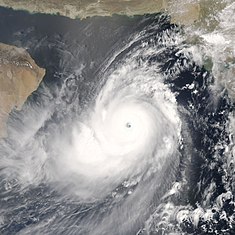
(76, 55)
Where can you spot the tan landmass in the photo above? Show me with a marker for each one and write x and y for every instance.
(19, 77)
(86, 8)
(182, 13)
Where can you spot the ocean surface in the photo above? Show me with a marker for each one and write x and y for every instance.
(130, 132)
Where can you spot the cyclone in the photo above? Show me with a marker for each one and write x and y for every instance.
(121, 147)
(126, 141)
(130, 132)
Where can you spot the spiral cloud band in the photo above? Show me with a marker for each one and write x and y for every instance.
(119, 146)
(131, 131)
